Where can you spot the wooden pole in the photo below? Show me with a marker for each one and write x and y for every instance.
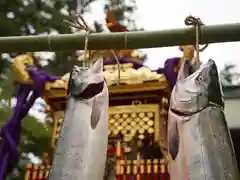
(123, 40)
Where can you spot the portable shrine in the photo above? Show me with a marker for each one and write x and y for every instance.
(137, 123)
(138, 104)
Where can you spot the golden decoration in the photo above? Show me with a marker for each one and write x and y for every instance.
(35, 171)
(150, 123)
(19, 68)
(128, 75)
(58, 120)
(133, 123)
(133, 115)
(134, 120)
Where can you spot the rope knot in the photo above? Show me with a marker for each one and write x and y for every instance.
(196, 22)
(82, 25)
(193, 21)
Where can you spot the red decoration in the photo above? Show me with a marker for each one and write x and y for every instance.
(113, 25)
(111, 150)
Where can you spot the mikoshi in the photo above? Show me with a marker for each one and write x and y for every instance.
(137, 117)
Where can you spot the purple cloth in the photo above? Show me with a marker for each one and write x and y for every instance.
(169, 70)
(11, 130)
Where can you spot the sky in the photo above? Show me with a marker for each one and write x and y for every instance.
(156, 15)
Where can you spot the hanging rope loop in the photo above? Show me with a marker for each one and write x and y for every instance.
(87, 54)
(79, 23)
(197, 23)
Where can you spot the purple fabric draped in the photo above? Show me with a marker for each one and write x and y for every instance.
(11, 130)
(169, 70)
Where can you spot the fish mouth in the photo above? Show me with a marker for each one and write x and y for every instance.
(186, 101)
(194, 94)
(181, 113)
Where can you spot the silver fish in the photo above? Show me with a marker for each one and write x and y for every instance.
(200, 145)
(82, 144)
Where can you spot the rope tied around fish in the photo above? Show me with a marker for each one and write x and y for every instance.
(197, 23)
(82, 25)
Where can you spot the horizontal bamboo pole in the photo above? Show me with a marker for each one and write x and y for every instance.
(128, 40)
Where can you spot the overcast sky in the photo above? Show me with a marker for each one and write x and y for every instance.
(159, 15)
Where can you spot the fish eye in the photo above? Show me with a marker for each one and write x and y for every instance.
(201, 78)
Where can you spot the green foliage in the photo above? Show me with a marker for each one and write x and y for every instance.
(31, 17)
(229, 77)
(6, 84)
(4, 65)
(226, 73)
(120, 7)
(63, 63)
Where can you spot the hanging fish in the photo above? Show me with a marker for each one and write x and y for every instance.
(200, 146)
(82, 144)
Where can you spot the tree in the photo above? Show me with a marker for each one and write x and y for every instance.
(122, 11)
(25, 17)
(228, 77)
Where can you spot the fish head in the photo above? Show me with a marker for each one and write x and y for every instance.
(195, 91)
(86, 82)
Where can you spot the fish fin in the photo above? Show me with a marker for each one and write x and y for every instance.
(184, 70)
(97, 66)
(173, 141)
(97, 109)
(95, 115)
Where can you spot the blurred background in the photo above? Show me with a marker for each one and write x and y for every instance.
(38, 17)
